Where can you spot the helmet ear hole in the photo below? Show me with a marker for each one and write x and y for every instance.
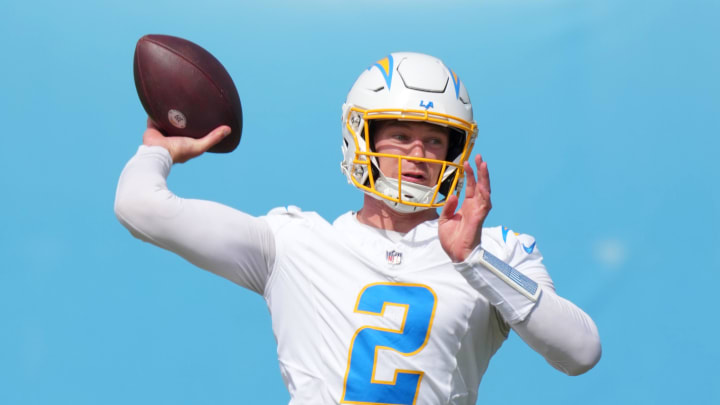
(371, 126)
(456, 144)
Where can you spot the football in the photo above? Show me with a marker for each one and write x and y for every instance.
(185, 90)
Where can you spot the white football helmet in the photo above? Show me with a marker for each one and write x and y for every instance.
(413, 87)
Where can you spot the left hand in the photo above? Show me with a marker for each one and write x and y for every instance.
(460, 231)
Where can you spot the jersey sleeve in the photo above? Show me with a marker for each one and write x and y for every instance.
(214, 237)
(508, 270)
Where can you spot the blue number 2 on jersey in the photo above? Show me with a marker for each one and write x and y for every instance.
(361, 387)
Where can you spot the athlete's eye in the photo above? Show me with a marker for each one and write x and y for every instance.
(400, 137)
(436, 141)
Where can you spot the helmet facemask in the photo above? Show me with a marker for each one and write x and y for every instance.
(402, 195)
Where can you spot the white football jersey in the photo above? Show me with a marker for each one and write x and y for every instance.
(363, 315)
(363, 318)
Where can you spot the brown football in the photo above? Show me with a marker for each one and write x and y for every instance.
(185, 90)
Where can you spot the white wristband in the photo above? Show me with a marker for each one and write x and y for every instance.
(520, 282)
(511, 292)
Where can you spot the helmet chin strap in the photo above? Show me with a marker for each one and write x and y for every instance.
(412, 192)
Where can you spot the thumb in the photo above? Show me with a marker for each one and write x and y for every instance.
(449, 209)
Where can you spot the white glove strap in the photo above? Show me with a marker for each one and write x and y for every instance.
(511, 292)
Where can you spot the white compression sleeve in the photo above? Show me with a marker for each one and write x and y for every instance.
(212, 236)
(553, 326)
(562, 333)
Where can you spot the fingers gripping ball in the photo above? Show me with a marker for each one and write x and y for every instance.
(185, 90)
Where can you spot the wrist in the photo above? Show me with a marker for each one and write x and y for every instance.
(507, 289)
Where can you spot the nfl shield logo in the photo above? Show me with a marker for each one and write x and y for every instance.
(393, 257)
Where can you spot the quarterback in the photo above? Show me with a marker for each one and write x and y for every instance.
(393, 303)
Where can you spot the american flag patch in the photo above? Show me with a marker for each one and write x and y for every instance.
(519, 281)
(393, 257)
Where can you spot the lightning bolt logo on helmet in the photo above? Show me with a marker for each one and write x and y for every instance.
(397, 87)
(385, 65)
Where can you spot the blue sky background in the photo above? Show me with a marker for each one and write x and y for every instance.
(599, 121)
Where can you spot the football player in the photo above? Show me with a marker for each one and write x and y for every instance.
(392, 304)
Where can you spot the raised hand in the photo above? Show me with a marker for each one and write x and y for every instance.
(183, 148)
(460, 231)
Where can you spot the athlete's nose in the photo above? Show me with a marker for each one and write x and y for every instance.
(417, 148)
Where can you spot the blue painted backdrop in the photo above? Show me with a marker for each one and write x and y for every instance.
(599, 120)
